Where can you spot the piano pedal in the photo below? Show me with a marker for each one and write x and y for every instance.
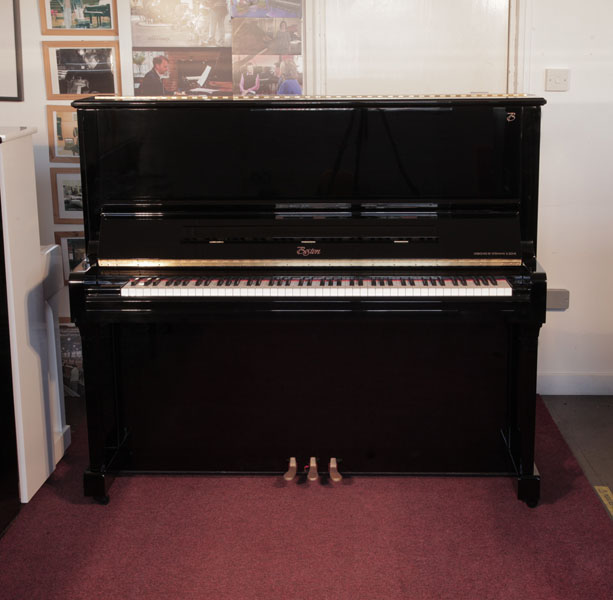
(333, 471)
(290, 474)
(313, 475)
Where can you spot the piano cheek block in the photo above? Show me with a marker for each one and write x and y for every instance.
(239, 312)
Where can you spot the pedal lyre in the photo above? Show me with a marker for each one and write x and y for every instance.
(291, 472)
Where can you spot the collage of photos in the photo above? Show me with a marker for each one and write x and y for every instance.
(216, 47)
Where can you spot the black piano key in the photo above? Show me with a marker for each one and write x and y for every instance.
(484, 281)
(338, 282)
(258, 281)
(236, 282)
(454, 280)
(463, 280)
(389, 281)
(411, 282)
(441, 280)
(168, 282)
(185, 282)
(199, 281)
(135, 281)
(208, 281)
(493, 280)
(157, 281)
(476, 281)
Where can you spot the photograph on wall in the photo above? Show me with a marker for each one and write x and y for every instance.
(180, 23)
(63, 132)
(266, 8)
(67, 196)
(267, 75)
(182, 71)
(72, 244)
(267, 36)
(83, 17)
(79, 69)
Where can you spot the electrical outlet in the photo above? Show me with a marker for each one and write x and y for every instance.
(557, 80)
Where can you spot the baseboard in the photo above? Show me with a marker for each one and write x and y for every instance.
(566, 384)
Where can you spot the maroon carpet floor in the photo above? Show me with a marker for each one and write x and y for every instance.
(367, 538)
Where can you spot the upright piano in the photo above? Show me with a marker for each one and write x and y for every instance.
(345, 283)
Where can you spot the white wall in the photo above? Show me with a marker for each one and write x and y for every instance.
(576, 191)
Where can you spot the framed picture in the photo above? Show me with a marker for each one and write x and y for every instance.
(79, 69)
(63, 134)
(72, 244)
(83, 17)
(67, 196)
(11, 77)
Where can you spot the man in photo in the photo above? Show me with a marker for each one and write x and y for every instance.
(152, 84)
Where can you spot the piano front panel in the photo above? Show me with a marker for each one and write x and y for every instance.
(385, 394)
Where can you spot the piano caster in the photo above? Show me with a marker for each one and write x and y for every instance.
(313, 475)
(333, 471)
(290, 474)
(104, 500)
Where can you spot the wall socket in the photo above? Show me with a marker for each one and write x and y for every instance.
(557, 80)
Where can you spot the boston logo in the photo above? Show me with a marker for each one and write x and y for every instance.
(304, 251)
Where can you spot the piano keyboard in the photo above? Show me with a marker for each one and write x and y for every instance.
(316, 286)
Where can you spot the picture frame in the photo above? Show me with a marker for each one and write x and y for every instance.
(67, 196)
(77, 69)
(99, 17)
(11, 70)
(62, 126)
(72, 246)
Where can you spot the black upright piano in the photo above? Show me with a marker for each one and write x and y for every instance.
(320, 278)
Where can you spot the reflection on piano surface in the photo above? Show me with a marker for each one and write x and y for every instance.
(369, 263)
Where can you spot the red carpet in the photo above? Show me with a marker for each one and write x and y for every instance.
(241, 538)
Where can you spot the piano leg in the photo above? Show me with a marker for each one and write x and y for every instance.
(529, 480)
(529, 488)
(107, 436)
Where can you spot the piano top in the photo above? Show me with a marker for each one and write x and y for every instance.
(426, 100)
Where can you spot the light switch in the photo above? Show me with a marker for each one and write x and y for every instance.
(557, 80)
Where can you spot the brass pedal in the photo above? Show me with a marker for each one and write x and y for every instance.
(313, 475)
(333, 470)
(291, 472)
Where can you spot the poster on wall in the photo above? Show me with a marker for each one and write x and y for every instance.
(217, 47)
(182, 71)
(11, 79)
(63, 134)
(72, 244)
(83, 17)
(79, 69)
(67, 196)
